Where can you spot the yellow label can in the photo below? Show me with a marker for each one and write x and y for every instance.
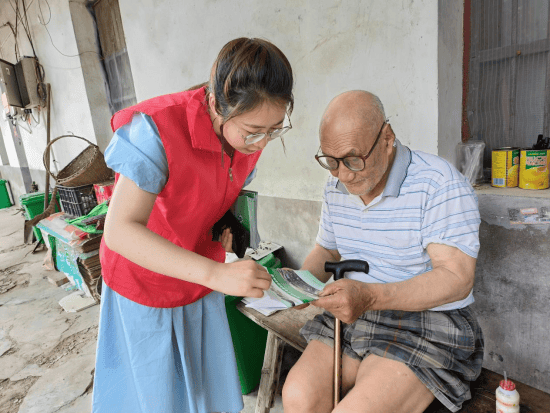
(533, 169)
(504, 170)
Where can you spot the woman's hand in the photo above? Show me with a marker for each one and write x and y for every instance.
(242, 279)
(227, 240)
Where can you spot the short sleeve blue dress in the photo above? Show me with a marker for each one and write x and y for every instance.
(160, 360)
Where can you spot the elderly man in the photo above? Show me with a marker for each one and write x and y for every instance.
(410, 334)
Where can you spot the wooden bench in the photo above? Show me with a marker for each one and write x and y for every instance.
(284, 326)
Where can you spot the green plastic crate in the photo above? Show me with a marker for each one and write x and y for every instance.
(33, 204)
(249, 339)
(5, 201)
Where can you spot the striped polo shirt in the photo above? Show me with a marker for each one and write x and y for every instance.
(425, 200)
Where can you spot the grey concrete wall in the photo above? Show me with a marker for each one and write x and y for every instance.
(15, 180)
(92, 71)
(449, 71)
(292, 223)
(70, 106)
(4, 160)
(512, 291)
(13, 175)
(387, 47)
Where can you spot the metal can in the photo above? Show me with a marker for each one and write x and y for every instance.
(533, 169)
(504, 170)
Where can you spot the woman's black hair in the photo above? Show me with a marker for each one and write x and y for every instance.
(247, 73)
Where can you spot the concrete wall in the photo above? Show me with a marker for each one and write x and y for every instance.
(389, 48)
(70, 107)
(449, 57)
(512, 290)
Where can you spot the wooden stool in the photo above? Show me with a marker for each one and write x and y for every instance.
(284, 326)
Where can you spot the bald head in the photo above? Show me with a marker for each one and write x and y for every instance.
(357, 107)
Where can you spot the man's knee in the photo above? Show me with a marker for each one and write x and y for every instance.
(294, 398)
(300, 394)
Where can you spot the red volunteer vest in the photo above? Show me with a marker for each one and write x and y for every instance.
(197, 194)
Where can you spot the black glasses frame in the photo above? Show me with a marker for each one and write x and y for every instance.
(345, 161)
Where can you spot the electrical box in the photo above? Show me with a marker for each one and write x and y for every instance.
(10, 88)
(27, 73)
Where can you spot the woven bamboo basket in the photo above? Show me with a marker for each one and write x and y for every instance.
(87, 168)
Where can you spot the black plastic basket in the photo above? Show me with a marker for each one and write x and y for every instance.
(78, 200)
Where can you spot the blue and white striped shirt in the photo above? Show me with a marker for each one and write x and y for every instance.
(425, 200)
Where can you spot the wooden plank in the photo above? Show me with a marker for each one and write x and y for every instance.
(109, 26)
(57, 279)
(508, 52)
(284, 324)
(483, 397)
(270, 373)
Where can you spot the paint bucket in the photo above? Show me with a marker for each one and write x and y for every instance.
(533, 169)
(505, 164)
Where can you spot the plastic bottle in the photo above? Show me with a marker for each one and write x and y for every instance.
(507, 397)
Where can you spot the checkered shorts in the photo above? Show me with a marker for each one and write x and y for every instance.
(443, 348)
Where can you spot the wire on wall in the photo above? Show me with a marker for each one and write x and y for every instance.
(45, 24)
(29, 131)
(26, 26)
(42, 14)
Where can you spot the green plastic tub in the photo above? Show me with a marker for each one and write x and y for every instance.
(5, 201)
(33, 204)
(249, 339)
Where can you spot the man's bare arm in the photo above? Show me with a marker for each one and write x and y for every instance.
(451, 279)
(315, 261)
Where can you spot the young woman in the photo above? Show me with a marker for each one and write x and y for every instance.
(164, 343)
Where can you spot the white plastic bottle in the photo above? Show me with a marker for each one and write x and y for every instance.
(507, 397)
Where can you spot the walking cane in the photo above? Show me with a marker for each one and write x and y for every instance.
(338, 269)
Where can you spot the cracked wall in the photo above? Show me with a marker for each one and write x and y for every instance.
(512, 291)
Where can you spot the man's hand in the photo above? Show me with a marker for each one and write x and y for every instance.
(346, 299)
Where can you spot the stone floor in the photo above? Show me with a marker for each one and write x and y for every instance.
(47, 355)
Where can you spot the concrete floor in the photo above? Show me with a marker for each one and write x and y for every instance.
(47, 355)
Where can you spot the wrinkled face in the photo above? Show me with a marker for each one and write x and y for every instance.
(265, 118)
(340, 138)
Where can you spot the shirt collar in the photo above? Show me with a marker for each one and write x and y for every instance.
(397, 174)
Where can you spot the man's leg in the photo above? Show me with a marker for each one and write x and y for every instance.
(308, 386)
(385, 386)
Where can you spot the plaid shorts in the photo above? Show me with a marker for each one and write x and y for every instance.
(443, 348)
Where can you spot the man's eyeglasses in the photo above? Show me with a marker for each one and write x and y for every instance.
(274, 134)
(354, 163)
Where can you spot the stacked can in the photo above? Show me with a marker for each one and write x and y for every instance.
(533, 171)
(505, 167)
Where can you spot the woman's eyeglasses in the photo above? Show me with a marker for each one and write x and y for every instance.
(274, 134)
(354, 163)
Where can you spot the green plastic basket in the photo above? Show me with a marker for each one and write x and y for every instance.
(5, 201)
(33, 204)
(249, 339)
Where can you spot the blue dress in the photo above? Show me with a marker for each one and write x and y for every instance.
(165, 360)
